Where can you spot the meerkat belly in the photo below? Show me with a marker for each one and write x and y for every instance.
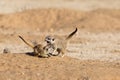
(50, 49)
(61, 44)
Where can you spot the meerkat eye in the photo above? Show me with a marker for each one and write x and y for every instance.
(53, 39)
(48, 38)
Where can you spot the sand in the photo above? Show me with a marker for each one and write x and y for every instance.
(24, 67)
(92, 54)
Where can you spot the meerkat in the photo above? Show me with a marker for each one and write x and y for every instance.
(38, 49)
(57, 44)
(50, 49)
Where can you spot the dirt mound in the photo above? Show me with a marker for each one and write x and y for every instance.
(42, 19)
(101, 20)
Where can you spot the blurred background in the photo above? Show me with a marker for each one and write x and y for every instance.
(8, 6)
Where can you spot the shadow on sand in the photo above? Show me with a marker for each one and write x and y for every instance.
(32, 54)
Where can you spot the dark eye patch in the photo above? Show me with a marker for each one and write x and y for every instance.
(48, 38)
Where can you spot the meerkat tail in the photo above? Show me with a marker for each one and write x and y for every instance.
(70, 35)
(25, 42)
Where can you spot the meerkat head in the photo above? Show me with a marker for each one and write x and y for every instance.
(50, 39)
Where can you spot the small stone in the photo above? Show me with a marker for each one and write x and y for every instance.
(6, 50)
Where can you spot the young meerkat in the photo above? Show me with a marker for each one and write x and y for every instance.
(38, 49)
(57, 44)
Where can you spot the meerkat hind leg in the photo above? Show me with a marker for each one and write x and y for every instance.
(62, 51)
(44, 55)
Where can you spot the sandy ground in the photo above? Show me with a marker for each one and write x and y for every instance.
(24, 67)
(92, 54)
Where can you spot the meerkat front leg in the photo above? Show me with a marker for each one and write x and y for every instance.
(61, 51)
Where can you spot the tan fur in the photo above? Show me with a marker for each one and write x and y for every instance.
(38, 49)
(59, 43)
